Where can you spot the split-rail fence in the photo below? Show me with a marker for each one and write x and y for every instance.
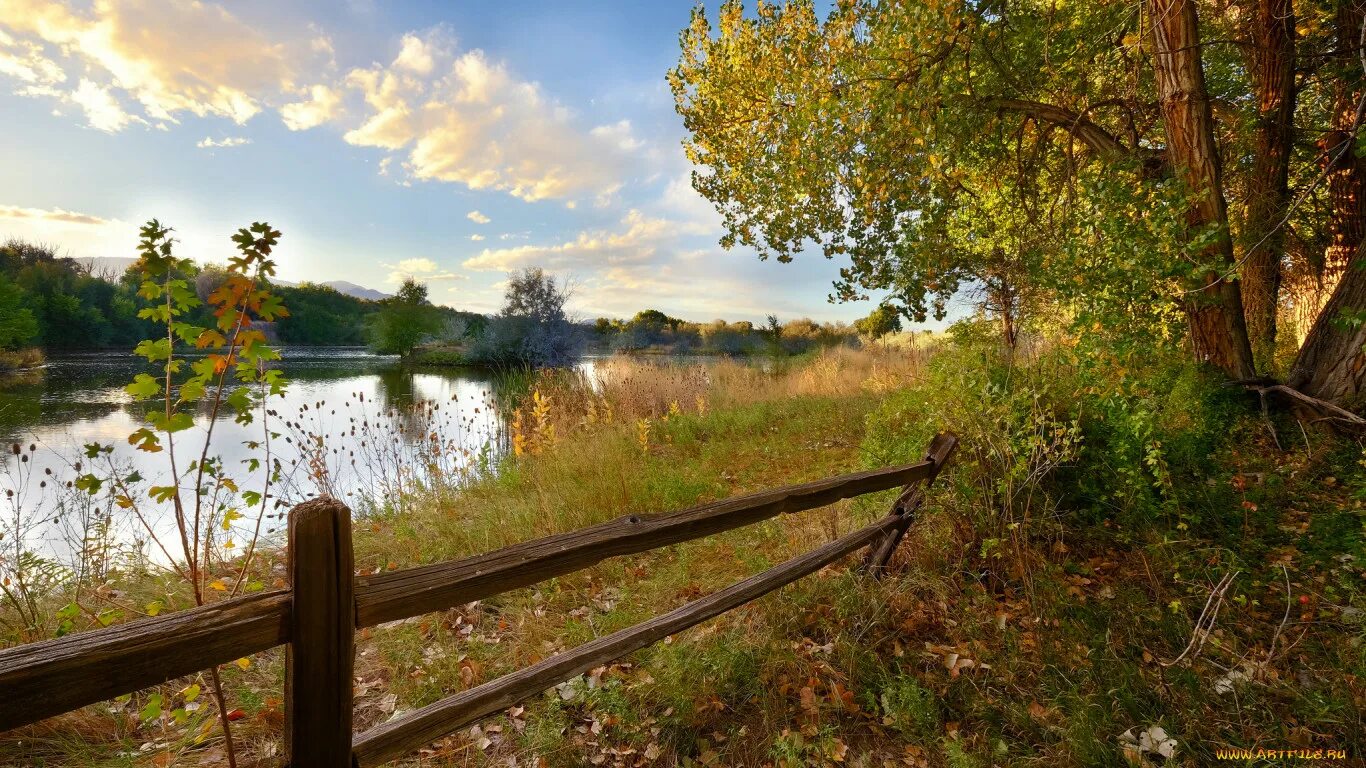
(318, 615)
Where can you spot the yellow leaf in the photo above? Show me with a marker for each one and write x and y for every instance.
(154, 607)
(243, 662)
(217, 584)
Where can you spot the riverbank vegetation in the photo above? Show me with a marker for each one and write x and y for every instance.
(652, 331)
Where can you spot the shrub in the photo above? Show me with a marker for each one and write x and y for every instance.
(1043, 436)
(532, 330)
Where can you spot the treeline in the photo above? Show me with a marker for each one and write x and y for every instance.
(59, 303)
(653, 331)
(56, 303)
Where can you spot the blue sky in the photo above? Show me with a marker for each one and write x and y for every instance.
(451, 141)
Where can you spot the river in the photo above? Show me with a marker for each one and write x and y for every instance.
(353, 424)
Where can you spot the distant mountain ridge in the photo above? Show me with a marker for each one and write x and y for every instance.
(115, 266)
(358, 291)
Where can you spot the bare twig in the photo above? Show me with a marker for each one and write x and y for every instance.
(1205, 623)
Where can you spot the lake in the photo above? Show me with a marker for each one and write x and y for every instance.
(353, 424)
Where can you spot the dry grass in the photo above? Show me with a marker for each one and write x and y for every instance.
(630, 389)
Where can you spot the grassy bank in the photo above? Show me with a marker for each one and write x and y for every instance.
(19, 360)
(1118, 565)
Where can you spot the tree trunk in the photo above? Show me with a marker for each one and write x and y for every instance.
(1332, 363)
(1271, 59)
(1347, 174)
(1214, 307)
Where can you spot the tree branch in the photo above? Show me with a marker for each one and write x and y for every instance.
(1083, 129)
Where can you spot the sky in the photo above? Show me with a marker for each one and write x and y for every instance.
(450, 141)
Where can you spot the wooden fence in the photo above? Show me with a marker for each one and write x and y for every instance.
(317, 617)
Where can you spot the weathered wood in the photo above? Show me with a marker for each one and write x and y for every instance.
(318, 666)
(47, 678)
(398, 737)
(414, 591)
(906, 505)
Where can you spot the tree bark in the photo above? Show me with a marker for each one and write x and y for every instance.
(1347, 172)
(1271, 61)
(1331, 364)
(1214, 306)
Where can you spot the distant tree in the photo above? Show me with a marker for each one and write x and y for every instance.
(209, 278)
(879, 322)
(604, 327)
(18, 326)
(533, 329)
(406, 320)
(534, 294)
(649, 327)
(773, 334)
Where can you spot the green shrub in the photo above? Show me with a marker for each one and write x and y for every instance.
(1128, 442)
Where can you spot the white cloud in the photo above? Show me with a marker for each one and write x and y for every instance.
(619, 133)
(450, 116)
(102, 112)
(231, 141)
(26, 62)
(634, 241)
(51, 215)
(477, 217)
(322, 105)
(418, 55)
(154, 59)
(422, 269)
(476, 238)
(74, 233)
(467, 120)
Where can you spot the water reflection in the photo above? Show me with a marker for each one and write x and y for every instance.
(351, 424)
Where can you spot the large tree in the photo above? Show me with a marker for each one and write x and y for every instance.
(861, 132)
(1269, 33)
(1214, 303)
(1332, 362)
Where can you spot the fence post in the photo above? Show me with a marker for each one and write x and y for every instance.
(912, 496)
(321, 652)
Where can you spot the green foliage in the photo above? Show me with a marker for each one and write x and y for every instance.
(405, 321)
(1012, 152)
(875, 134)
(1017, 427)
(61, 304)
(321, 315)
(1125, 440)
(17, 323)
(880, 322)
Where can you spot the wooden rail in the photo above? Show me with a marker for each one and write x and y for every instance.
(317, 617)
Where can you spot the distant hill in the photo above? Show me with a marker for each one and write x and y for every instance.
(358, 291)
(115, 266)
(106, 266)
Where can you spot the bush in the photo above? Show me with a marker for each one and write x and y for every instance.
(1046, 438)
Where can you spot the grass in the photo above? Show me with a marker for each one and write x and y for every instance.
(19, 360)
(1046, 651)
